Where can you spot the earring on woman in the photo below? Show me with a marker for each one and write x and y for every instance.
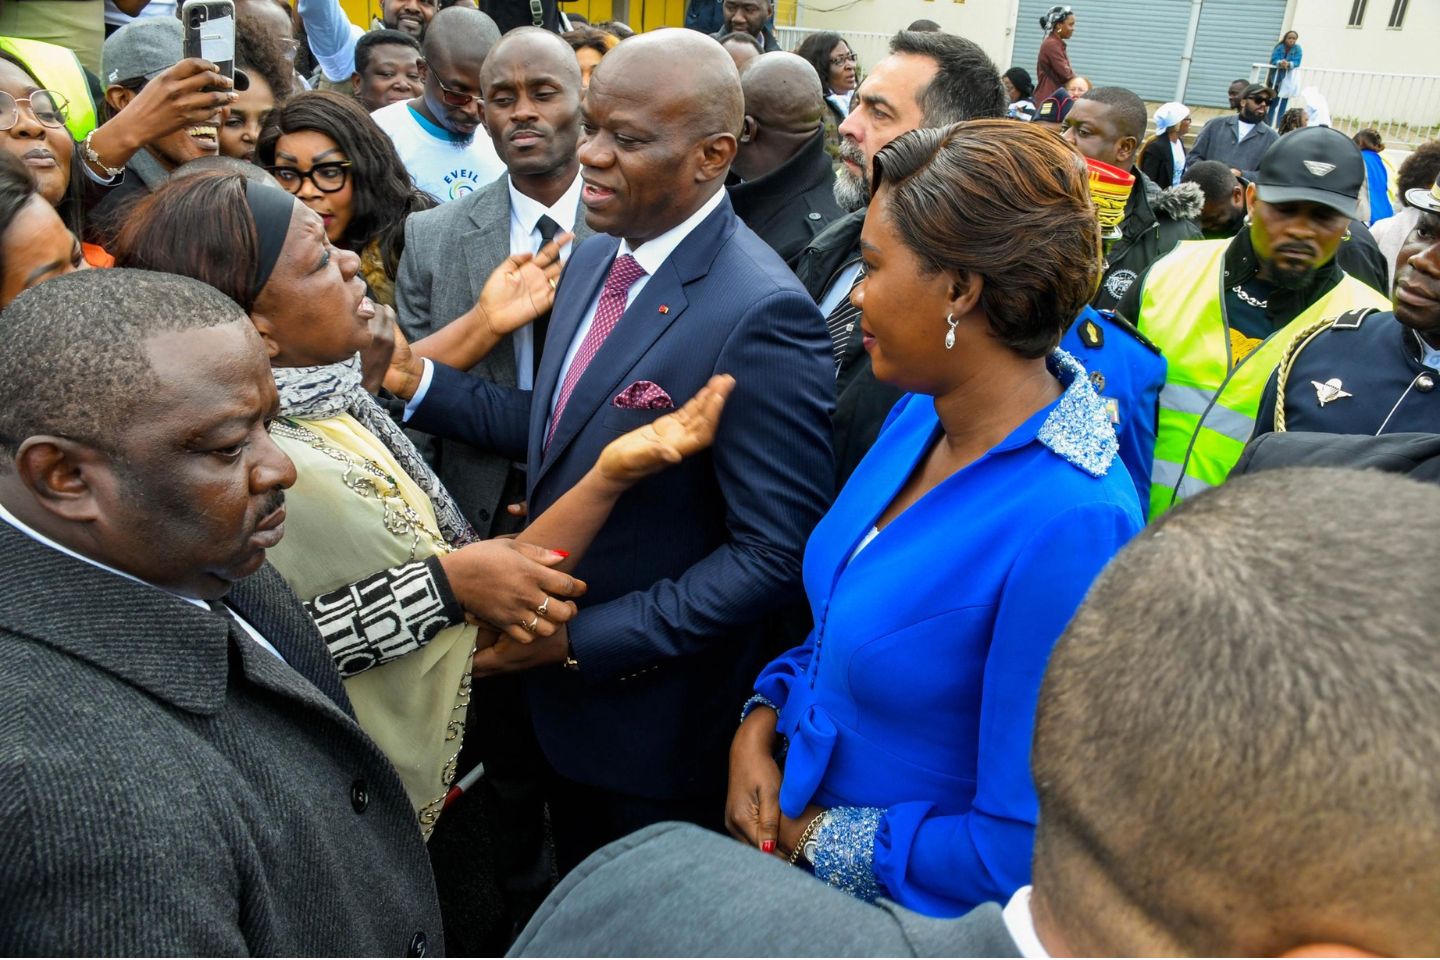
(950, 334)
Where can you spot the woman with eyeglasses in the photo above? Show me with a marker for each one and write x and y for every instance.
(70, 176)
(837, 67)
(325, 150)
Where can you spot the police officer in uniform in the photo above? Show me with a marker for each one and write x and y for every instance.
(1367, 372)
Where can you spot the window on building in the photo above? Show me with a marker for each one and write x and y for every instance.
(1357, 12)
(1397, 14)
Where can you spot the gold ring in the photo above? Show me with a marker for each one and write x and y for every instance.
(544, 608)
(553, 283)
(532, 625)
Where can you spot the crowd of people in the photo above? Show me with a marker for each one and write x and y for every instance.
(455, 476)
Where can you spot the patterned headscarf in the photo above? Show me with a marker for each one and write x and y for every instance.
(1053, 16)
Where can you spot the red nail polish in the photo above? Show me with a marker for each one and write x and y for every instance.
(767, 846)
(562, 553)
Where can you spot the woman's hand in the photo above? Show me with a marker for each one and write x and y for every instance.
(506, 585)
(402, 376)
(790, 830)
(668, 439)
(752, 802)
(521, 289)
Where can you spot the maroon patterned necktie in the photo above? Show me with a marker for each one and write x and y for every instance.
(623, 274)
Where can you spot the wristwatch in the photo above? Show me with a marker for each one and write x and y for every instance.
(807, 851)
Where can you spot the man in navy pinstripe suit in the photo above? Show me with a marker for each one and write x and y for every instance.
(635, 702)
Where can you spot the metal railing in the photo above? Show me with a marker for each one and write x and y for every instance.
(1403, 107)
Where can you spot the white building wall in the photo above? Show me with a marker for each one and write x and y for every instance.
(990, 23)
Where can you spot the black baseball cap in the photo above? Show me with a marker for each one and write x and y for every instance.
(1256, 89)
(1317, 164)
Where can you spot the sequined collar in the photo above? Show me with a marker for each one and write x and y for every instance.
(1079, 428)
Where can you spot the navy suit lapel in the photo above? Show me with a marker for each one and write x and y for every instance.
(638, 329)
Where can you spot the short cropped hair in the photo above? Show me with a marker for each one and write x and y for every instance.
(966, 85)
(740, 37)
(1213, 177)
(1238, 734)
(1127, 109)
(365, 46)
(72, 351)
(1004, 201)
(588, 38)
(1420, 169)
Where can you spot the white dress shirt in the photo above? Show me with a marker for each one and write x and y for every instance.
(525, 214)
(1020, 923)
(39, 537)
(651, 255)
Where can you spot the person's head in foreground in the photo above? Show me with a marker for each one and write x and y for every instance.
(1236, 747)
(133, 416)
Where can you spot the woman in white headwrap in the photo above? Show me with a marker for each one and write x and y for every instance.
(1163, 159)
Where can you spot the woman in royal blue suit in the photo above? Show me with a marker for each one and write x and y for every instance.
(903, 723)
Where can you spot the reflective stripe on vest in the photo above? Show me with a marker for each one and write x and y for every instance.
(55, 68)
(1207, 409)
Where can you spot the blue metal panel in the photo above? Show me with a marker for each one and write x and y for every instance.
(1138, 43)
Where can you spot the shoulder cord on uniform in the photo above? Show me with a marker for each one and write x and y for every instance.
(1301, 340)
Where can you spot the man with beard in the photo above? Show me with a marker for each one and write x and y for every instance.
(928, 80)
(1223, 312)
(439, 135)
(1223, 216)
(1241, 140)
(1371, 373)
(531, 83)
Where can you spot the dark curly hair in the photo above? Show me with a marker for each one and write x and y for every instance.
(258, 50)
(992, 198)
(383, 191)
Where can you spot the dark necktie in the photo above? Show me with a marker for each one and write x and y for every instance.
(844, 323)
(312, 664)
(548, 228)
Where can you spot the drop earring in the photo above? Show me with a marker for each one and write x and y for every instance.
(950, 334)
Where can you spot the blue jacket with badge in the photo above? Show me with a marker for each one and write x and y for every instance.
(1128, 372)
(1360, 373)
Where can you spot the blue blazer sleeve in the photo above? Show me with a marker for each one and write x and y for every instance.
(475, 411)
(781, 673)
(946, 865)
(775, 469)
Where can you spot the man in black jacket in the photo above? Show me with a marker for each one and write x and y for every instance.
(1108, 125)
(781, 181)
(928, 80)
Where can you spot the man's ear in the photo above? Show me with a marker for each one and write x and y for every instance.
(717, 152)
(1125, 150)
(423, 69)
(266, 328)
(63, 475)
(1250, 192)
(117, 97)
(748, 129)
(355, 84)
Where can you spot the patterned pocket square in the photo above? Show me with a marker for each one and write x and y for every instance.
(644, 395)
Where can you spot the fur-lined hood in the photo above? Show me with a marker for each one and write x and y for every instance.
(1181, 202)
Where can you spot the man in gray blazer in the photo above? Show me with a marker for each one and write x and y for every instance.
(1259, 781)
(183, 773)
(532, 89)
(531, 83)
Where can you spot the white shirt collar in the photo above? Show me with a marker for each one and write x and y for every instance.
(39, 537)
(655, 251)
(527, 211)
(1021, 926)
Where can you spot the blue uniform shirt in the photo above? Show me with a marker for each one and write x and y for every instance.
(1362, 375)
(1128, 372)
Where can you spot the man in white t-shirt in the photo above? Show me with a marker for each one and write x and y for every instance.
(438, 134)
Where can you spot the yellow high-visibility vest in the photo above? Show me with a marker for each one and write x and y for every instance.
(55, 68)
(1209, 402)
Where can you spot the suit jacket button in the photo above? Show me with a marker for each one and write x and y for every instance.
(359, 796)
(417, 945)
(484, 516)
(814, 216)
(1424, 383)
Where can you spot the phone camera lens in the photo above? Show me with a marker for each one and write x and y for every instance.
(196, 19)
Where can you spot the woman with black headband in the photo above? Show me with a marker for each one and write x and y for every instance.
(1052, 66)
(373, 543)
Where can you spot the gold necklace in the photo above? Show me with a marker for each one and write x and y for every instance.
(364, 477)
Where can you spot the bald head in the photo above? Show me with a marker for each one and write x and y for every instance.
(537, 46)
(460, 34)
(677, 65)
(782, 92)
